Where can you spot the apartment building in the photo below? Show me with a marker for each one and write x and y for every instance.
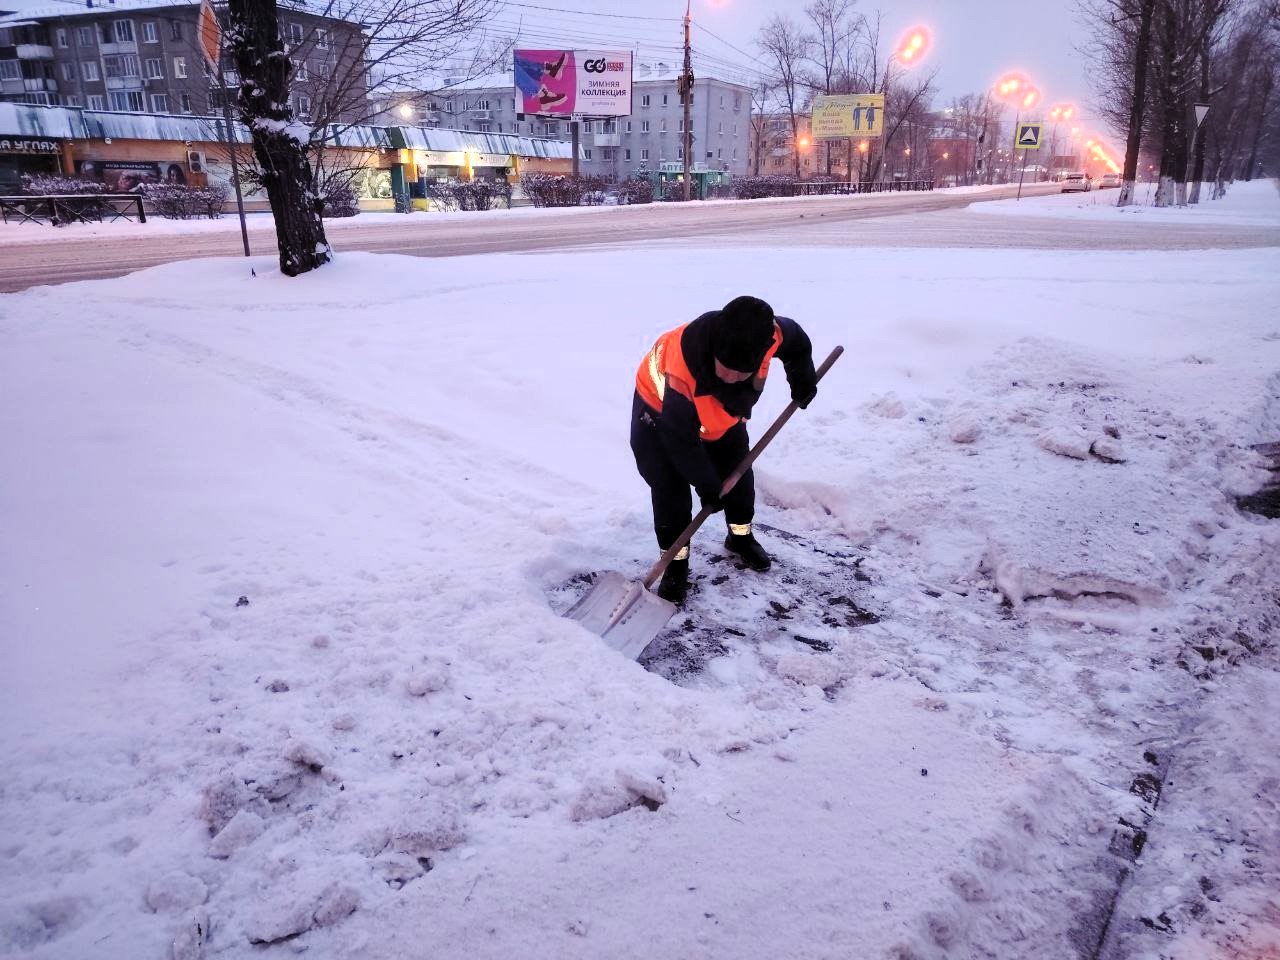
(652, 136)
(141, 56)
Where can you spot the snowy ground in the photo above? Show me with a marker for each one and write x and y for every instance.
(395, 741)
(1246, 204)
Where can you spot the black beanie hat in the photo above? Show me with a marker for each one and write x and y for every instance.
(742, 333)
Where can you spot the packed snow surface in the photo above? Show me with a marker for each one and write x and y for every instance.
(283, 563)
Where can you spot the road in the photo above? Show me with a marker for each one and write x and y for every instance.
(901, 219)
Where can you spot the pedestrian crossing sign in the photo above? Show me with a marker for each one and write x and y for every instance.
(1029, 136)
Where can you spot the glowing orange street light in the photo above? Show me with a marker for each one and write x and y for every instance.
(913, 46)
(863, 147)
(1030, 98)
(804, 141)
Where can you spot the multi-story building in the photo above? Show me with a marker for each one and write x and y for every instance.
(652, 136)
(141, 56)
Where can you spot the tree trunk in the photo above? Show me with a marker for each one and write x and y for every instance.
(1268, 83)
(254, 39)
(1142, 53)
(1173, 110)
(1197, 170)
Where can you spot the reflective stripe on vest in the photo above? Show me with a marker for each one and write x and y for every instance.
(665, 366)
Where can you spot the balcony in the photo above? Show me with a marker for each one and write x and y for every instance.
(130, 46)
(124, 83)
(35, 51)
(40, 85)
(481, 115)
(606, 140)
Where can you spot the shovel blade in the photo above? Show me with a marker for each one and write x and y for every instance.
(625, 615)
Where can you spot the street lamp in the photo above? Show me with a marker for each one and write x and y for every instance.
(405, 111)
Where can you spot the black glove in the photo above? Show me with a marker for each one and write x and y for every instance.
(803, 393)
(711, 501)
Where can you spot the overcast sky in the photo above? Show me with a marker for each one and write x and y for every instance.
(974, 41)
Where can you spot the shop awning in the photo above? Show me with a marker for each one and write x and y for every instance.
(457, 141)
(160, 126)
(30, 120)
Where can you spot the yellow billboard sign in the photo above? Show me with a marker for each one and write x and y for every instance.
(840, 116)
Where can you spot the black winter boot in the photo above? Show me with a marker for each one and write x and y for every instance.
(675, 581)
(748, 549)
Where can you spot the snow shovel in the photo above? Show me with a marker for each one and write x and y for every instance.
(623, 611)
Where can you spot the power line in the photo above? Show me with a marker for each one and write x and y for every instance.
(592, 13)
(715, 36)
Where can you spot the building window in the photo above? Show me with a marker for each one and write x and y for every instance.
(71, 101)
(482, 104)
(720, 128)
(304, 105)
(62, 38)
(149, 32)
(551, 129)
(130, 100)
(322, 39)
(586, 126)
(735, 153)
(586, 154)
(293, 33)
(644, 126)
(628, 126)
(124, 31)
(122, 65)
(718, 154)
(722, 101)
(626, 155)
(97, 101)
(680, 153)
(735, 129)
(159, 103)
(68, 70)
(180, 68)
(680, 125)
(644, 100)
(185, 100)
(662, 125)
(664, 99)
(300, 70)
(155, 69)
(84, 36)
(175, 29)
(737, 101)
(644, 153)
(10, 70)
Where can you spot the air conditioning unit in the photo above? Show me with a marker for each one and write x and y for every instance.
(195, 160)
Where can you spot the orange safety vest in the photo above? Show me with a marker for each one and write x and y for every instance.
(664, 366)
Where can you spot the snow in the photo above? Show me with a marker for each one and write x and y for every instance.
(1246, 204)
(396, 740)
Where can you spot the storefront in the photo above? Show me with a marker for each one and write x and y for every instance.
(32, 141)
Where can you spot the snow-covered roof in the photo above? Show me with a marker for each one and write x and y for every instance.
(73, 123)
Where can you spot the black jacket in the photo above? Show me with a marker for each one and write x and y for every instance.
(678, 424)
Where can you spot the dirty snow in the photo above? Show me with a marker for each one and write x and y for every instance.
(282, 661)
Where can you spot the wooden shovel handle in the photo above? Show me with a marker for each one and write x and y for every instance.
(682, 541)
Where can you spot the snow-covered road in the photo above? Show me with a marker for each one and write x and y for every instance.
(395, 744)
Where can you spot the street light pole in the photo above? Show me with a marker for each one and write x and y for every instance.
(686, 97)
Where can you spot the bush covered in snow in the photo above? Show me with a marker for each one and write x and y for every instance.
(636, 190)
(549, 190)
(47, 184)
(338, 199)
(469, 195)
(755, 188)
(177, 201)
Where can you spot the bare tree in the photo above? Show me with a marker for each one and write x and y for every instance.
(760, 100)
(835, 32)
(785, 47)
(254, 39)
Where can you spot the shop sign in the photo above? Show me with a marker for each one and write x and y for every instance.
(29, 145)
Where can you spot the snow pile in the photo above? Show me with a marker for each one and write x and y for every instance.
(1253, 204)
(281, 664)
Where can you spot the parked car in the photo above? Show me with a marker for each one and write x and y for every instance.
(1076, 182)
(1108, 180)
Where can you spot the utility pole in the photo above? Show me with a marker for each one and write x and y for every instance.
(685, 86)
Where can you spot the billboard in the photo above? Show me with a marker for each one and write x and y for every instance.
(838, 117)
(574, 83)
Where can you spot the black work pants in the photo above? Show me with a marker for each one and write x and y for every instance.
(672, 496)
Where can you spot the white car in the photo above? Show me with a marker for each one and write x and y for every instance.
(1074, 182)
(1108, 180)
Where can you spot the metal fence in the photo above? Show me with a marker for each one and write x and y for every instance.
(810, 188)
(59, 209)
